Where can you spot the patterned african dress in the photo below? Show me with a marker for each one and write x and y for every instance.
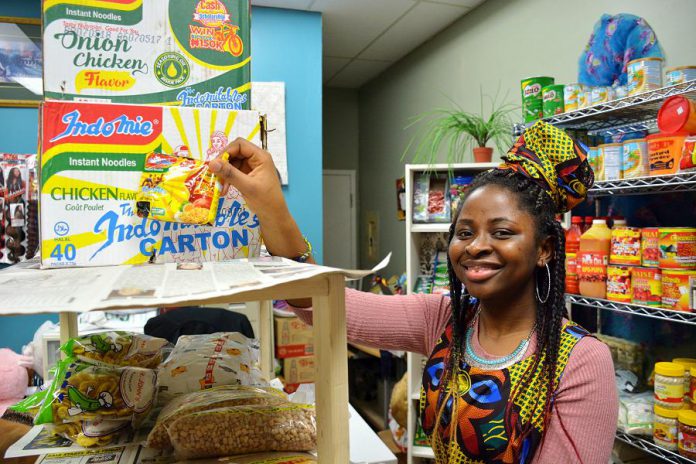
(482, 433)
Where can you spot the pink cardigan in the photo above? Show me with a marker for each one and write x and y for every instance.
(586, 400)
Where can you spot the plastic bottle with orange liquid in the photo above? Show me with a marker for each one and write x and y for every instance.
(592, 259)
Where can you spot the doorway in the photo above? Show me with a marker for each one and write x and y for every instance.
(340, 223)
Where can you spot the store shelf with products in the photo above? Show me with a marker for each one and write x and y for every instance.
(634, 309)
(680, 182)
(636, 112)
(416, 234)
(650, 447)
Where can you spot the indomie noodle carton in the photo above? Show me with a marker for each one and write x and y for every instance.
(185, 52)
(92, 159)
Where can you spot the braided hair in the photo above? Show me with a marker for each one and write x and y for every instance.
(549, 315)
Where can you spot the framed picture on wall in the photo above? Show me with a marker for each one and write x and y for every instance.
(20, 61)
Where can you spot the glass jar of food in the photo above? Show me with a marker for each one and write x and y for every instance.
(687, 433)
(665, 428)
(669, 385)
(688, 363)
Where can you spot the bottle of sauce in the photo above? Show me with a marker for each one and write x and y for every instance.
(572, 236)
(587, 223)
(592, 260)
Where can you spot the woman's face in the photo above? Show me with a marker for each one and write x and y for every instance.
(217, 143)
(494, 250)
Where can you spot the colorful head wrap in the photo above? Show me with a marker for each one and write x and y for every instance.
(554, 161)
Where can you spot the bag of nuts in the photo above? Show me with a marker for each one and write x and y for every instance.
(205, 400)
(244, 429)
(271, 458)
(117, 348)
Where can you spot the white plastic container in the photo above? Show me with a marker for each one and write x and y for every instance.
(635, 160)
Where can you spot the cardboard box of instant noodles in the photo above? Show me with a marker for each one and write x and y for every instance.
(92, 157)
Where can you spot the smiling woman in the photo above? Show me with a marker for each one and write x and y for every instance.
(509, 379)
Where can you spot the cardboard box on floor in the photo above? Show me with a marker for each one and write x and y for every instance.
(92, 158)
(182, 52)
(292, 338)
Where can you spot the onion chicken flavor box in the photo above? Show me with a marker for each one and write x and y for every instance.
(184, 52)
(92, 159)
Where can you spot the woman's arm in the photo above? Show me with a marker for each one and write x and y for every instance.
(399, 322)
(587, 407)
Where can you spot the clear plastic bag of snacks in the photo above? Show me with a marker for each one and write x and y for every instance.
(205, 400)
(244, 429)
(177, 189)
(117, 348)
(199, 362)
(87, 392)
(93, 433)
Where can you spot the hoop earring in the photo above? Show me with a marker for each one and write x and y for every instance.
(548, 287)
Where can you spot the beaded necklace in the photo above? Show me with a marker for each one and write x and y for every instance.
(474, 360)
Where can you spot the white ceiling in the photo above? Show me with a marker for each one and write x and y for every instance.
(362, 38)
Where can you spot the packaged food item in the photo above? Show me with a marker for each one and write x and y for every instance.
(92, 433)
(612, 153)
(25, 411)
(593, 157)
(692, 387)
(117, 348)
(688, 158)
(571, 280)
(677, 115)
(675, 289)
(205, 400)
(649, 246)
(199, 362)
(621, 91)
(458, 188)
(274, 458)
(190, 53)
(91, 164)
(255, 428)
(438, 201)
(687, 363)
(571, 97)
(636, 413)
(587, 223)
(593, 257)
(680, 74)
(692, 293)
(552, 100)
(644, 74)
(293, 338)
(625, 245)
(602, 94)
(572, 235)
(599, 164)
(646, 286)
(87, 392)
(177, 189)
(677, 247)
(299, 369)
(532, 97)
(626, 354)
(687, 433)
(635, 160)
(664, 152)
(584, 97)
(421, 186)
(666, 428)
(619, 283)
(669, 385)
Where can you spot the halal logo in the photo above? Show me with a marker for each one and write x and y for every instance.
(172, 69)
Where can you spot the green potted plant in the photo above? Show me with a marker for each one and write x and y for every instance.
(458, 130)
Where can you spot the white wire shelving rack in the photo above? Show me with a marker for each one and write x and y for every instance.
(629, 114)
(650, 447)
